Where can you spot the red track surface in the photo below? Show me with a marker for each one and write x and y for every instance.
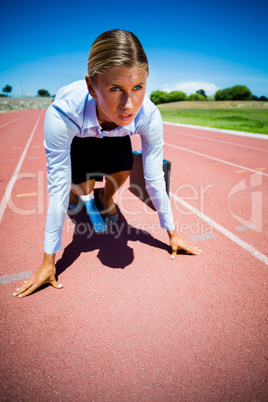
(130, 324)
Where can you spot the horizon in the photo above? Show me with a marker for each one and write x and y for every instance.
(189, 46)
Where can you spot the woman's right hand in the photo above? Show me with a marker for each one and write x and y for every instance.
(45, 274)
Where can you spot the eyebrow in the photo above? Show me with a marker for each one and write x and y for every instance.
(117, 85)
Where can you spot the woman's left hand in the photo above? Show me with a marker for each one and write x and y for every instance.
(177, 243)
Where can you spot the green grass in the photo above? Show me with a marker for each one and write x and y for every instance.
(251, 120)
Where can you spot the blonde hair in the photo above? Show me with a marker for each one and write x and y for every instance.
(115, 48)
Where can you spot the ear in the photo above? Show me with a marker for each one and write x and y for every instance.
(90, 87)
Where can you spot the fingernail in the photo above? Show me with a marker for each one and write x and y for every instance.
(172, 257)
(17, 289)
(60, 286)
(14, 294)
(20, 296)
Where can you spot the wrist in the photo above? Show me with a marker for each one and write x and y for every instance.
(49, 258)
(171, 233)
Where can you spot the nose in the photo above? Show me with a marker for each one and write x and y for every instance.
(126, 103)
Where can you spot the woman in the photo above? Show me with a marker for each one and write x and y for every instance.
(87, 134)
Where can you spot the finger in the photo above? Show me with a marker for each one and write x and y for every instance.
(173, 254)
(24, 287)
(29, 287)
(30, 290)
(192, 250)
(35, 286)
(187, 248)
(56, 284)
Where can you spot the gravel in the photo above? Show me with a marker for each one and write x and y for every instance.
(9, 103)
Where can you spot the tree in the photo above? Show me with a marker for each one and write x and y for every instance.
(238, 92)
(159, 97)
(7, 89)
(196, 97)
(263, 98)
(201, 92)
(176, 96)
(43, 93)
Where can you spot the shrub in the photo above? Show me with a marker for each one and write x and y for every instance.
(159, 97)
(176, 96)
(196, 97)
(238, 92)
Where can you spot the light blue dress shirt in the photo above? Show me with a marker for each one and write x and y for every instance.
(73, 113)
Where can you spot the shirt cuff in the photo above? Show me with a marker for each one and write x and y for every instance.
(166, 222)
(52, 243)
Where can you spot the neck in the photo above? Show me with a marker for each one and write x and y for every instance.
(106, 126)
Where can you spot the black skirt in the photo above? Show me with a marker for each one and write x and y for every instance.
(93, 158)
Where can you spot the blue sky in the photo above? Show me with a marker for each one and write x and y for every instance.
(190, 44)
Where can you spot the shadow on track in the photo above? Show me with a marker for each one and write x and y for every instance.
(114, 251)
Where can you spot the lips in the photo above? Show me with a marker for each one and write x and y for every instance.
(126, 116)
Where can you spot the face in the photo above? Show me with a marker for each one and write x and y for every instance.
(119, 94)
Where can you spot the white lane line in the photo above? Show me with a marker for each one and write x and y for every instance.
(15, 277)
(216, 159)
(214, 140)
(204, 236)
(13, 179)
(12, 121)
(255, 253)
(220, 130)
(246, 227)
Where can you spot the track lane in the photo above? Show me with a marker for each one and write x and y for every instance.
(192, 173)
(13, 139)
(217, 196)
(191, 328)
(207, 138)
(12, 181)
(5, 120)
(23, 221)
(256, 170)
(243, 157)
(214, 225)
(233, 136)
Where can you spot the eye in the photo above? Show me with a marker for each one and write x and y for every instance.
(114, 89)
(137, 88)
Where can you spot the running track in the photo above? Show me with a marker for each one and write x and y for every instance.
(129, 323)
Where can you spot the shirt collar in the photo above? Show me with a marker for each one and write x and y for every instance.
(90, 117)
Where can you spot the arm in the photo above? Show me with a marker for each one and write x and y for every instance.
(152, 154)
(59, 132)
